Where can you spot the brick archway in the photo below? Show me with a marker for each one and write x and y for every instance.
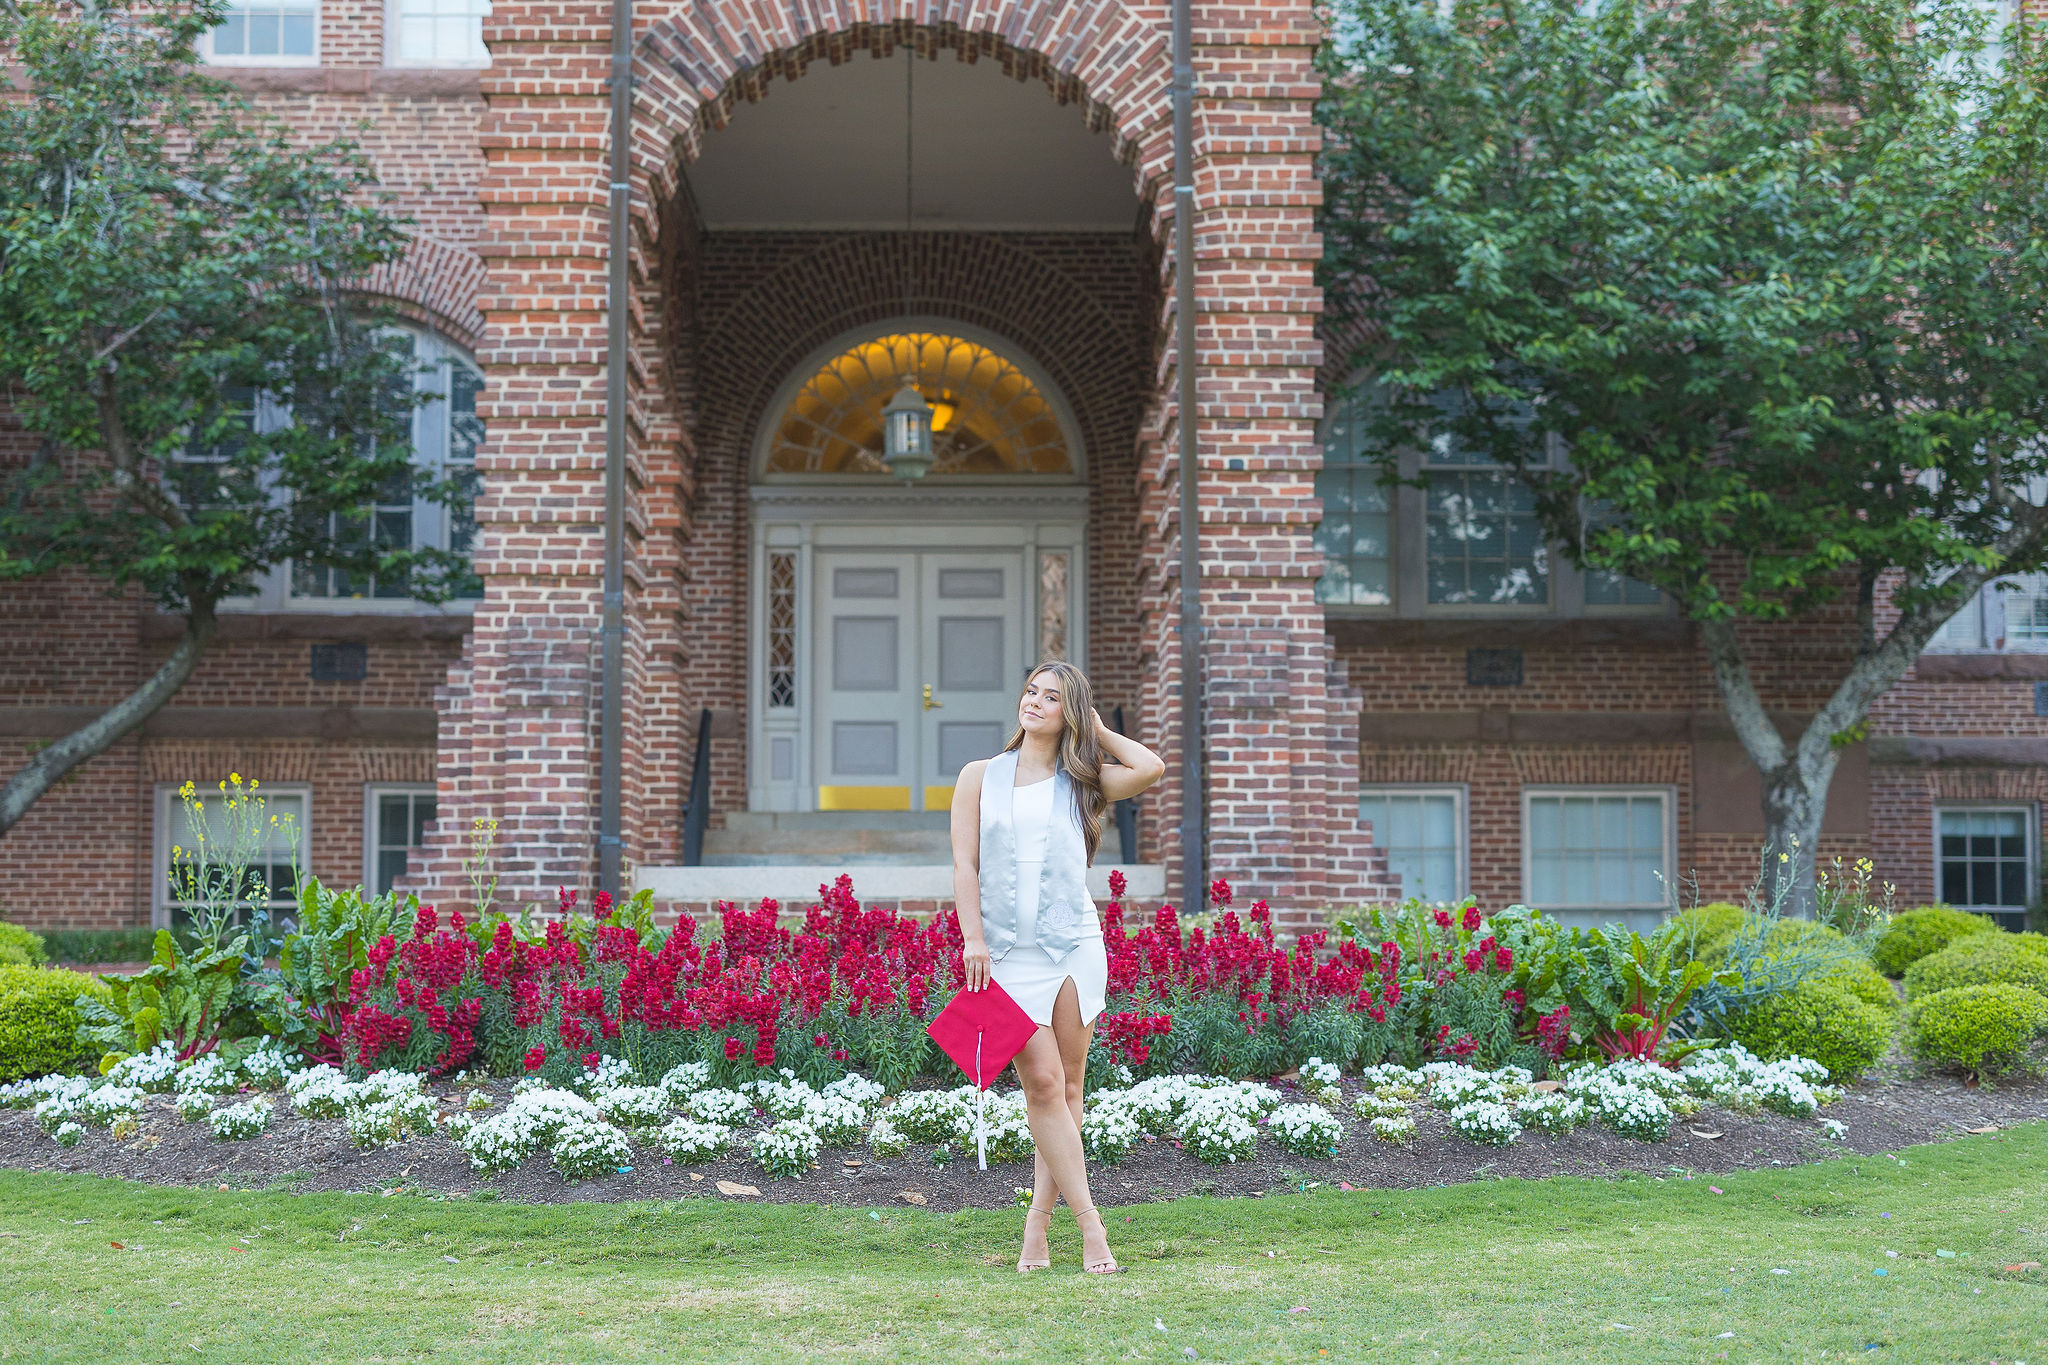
(517, 728)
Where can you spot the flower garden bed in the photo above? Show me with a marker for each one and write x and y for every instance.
(1887, 1109)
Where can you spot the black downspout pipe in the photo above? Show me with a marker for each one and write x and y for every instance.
(1194, 878)
(611, 768)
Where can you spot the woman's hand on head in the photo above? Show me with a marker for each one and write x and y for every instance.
(975, 955)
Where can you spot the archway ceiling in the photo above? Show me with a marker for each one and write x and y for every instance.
(825, 152)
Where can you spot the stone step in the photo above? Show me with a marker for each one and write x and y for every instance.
(797, 884)
(763, 838)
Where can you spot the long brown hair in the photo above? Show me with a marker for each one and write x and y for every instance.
(1078, 755)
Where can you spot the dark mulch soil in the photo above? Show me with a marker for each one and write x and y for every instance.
(1891, 1108)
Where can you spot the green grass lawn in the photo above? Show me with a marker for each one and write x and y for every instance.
(1569, 1270)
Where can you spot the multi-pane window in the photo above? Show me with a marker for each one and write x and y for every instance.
(782, 628)
(1604, 850)
(264, 30)
(1985, 857)
(1356, 534)
(2009, 615)
(266, 838)
(397, 825)
(439, 32)
(1421, 833)
(1446, 529)
(445, 434)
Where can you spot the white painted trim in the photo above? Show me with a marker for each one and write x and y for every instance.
(208, 57)
(1666, 793)
(800, 374)
(371, 791)
(1461, 796)
(794, 884)
(161, 800)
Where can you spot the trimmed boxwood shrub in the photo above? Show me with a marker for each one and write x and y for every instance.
(1916, 933)
(1854, 973)
(1984, 1030)
(1819, 1019)
(39, 1021)
(1703, 932)
(1980, 960)
(20, 947)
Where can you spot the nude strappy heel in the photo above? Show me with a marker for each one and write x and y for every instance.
(1107, 1266)
(1023, 1265)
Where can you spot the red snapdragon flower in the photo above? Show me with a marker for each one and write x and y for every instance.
(536, 1057)
(1443, 919)
(1473, 918)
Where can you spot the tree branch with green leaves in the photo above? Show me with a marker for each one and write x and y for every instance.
(1774, 276)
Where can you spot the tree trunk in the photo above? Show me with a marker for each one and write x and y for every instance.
(42, 772)
(1795, 798)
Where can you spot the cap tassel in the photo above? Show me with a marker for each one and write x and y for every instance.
(980, 1107)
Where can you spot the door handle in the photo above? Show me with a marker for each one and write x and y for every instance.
(929, 704)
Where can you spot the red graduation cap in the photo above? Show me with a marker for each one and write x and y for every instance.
(981, 1031)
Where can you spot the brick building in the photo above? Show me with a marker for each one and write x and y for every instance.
(1405, 691)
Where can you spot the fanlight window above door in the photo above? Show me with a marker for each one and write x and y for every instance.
(988, 416)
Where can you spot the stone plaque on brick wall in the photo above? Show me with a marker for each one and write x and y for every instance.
(1493, 668)
(341, 663)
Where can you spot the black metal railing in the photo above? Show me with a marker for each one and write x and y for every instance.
(698, 807)
(1126, 811)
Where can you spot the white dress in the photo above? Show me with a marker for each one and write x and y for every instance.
(1027, 971)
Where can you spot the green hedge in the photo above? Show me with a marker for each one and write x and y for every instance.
(1981, 960)
(1704, 931)
(1855, 973)
(20, 947)
(101, 945)
(1917, 933)
(39, 1021)
(1821, 1020)
(1984, 1030)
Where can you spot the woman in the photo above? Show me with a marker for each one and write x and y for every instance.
(1026, 825)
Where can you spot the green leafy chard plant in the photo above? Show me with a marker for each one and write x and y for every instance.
(307, 1006)
(1634, 989)
(185, 999)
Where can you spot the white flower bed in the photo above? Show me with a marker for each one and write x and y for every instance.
(610, 1074)
(1631, 1110)
(685, 1080)
(106, 1104)
(1554, 1113)
(195, 1106)
(268, 1067)
(1109, 1130)
(1008, 1131)
(478, 1101)
(319, 1092)
(1486, 1122)
(1379, 1105)
(1217, 1129)
(789, 1148)
(584, 1149)
(1393, 1128)
(1317, 1072)
(859, 1090)
(154, 1071)
(532, 1120)
(932, 1116)
(209, 1074)
(728, 1107)
(837, 1120)
(634, 1106)
(59, 1104)
(456, 1126)
(240, 1122)
(1454, 1086)
(787, 1098)
(1306, 1130)
(1735, 1078)
(1388, 1078)
(690, 1141)
(385, 1117)
(886, 1140)
(68, 1134)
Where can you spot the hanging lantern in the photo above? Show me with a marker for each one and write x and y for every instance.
(907, 434)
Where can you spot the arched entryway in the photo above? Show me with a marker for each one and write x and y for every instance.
(889, 621)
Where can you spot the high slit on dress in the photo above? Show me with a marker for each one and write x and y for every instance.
(1027, 971)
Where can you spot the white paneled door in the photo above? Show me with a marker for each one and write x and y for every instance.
(919, 659)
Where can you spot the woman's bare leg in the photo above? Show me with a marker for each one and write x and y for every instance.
(1053, 1130)
(1073, 1038)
